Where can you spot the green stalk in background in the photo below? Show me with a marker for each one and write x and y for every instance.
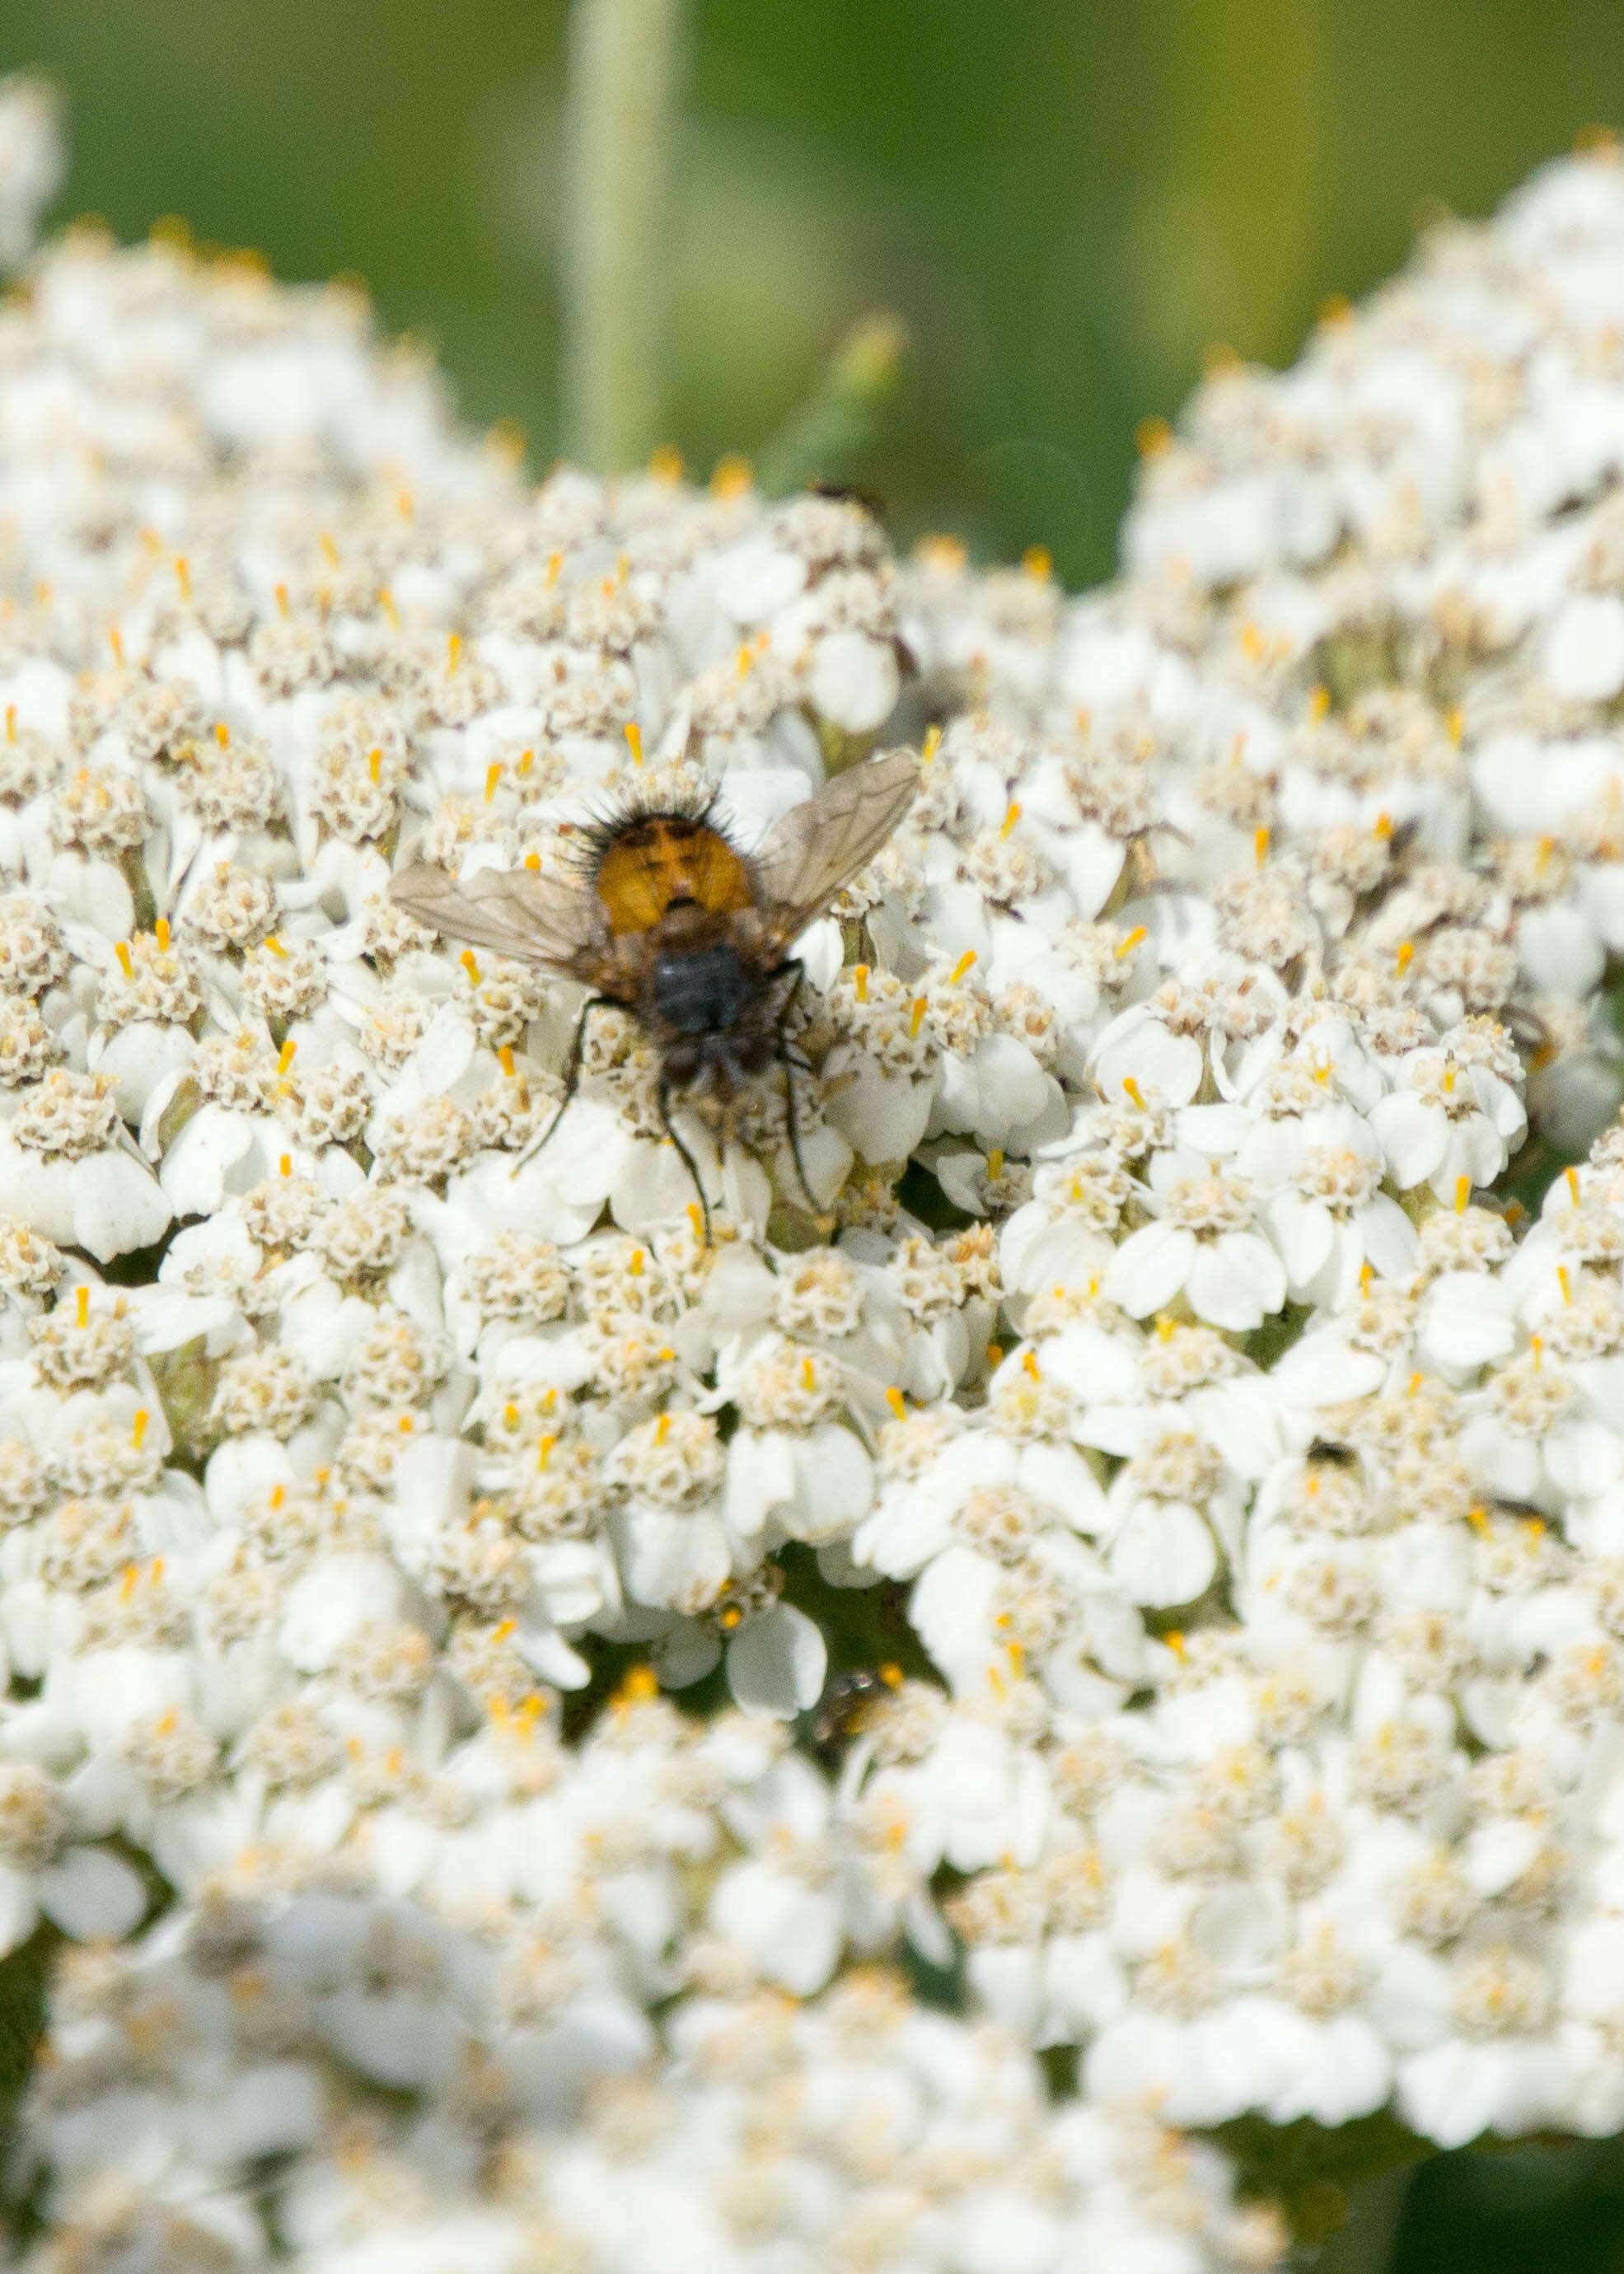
(626, 70)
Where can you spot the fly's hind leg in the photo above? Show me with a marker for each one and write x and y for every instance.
(786, 1058)
(571, 1081)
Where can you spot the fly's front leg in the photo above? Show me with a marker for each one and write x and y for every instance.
(572, 1080)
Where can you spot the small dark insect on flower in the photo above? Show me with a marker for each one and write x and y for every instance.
(847, 1708)
(668, 916)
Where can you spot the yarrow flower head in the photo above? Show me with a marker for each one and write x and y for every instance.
(422, 1414)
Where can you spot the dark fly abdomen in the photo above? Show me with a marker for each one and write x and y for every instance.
(701, 993)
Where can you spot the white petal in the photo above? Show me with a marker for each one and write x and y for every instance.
(18, 1909)
(1163, 1554)
(854, 680)
(1236, 1280)
(117, 1204)
(884, 1116)
(1302, 1231)
(776, 1664)
(1389, 1238)
(1149, 1268)
(835, 1483)
(1413, 1136)
(92, 1896)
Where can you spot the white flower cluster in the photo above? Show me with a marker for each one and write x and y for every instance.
(857, 2131)
(1246, 1476)
(341, 1429)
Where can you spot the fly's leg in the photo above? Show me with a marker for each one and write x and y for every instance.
(784, 1057)
(571, 1081)
(663, 1097)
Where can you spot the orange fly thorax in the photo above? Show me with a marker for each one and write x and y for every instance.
(647, 863)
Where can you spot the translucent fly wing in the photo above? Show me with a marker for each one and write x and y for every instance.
(820, 845)
(513, 911)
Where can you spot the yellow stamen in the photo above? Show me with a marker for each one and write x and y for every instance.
(123, 952)
(284, 1057)
(1318, 703)
(1260, 845)
(995, 1165)
(696, 1217)
(115, 640)
(665, 464)
(1038, 562)
(1454, 724)
(1009, 820)
(1124, 948)
(1564, 1282)
(1404, 955)
(1382, 826)
(897, 1403)
(745, 660)
(1133, 1091)
(860, 981)
(1167, 1326)
(1572, 1176)
(994, 1355)
(138, 1427)
(532, 862)
(1462, 1194)
(285, 1165)
(223, 733)
(504, 1058)
(732, 476)
(281, 600)
(1366, 1274)
(470, 964)
(385, 601)
(374, 764)
(493, 775)
(544, 1452)
(917, 1013)
(82, 1299)
(1029, 1362)
(809, 1374)
(635, 1266)
(275, 946)
(182, 576)
(162, 930)
(527, 759)
(1175, 1641)
(963, 965)
(453, 654)
(279, 1493)
(634, 740)
(931, 744)
(1536, 1347)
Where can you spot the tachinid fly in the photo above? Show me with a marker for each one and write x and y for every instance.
(668, 916)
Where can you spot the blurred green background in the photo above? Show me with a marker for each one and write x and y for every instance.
(1066, 200)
